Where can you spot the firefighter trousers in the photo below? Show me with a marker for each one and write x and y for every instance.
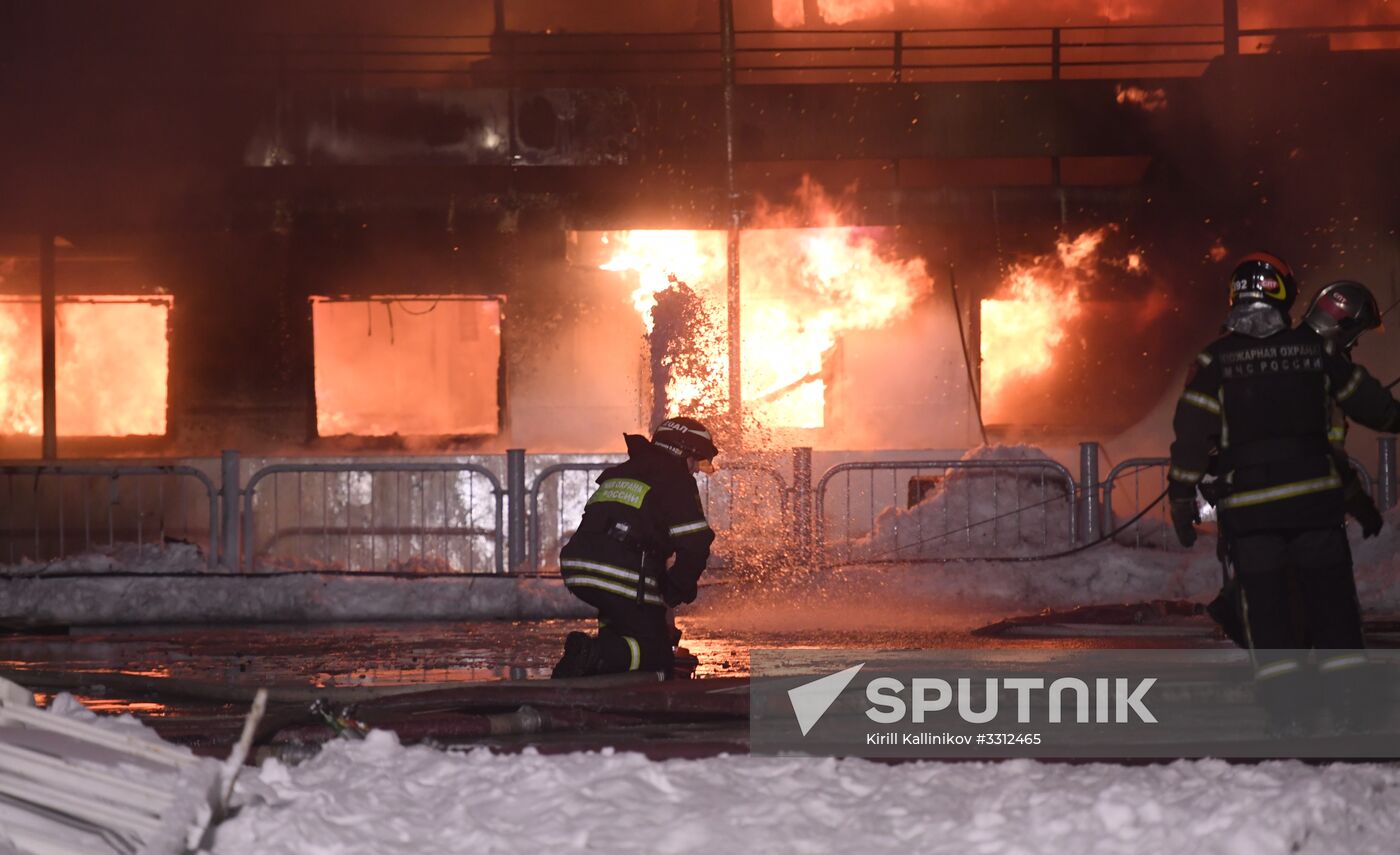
(1299, 593)
(632, 636)
(1298, 587)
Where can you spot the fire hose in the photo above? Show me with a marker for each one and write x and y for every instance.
(1013, 558)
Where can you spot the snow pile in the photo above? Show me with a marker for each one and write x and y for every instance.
(1142, 563)
(1377, 562)
(291, 598)
(1017, 510)
(148, 558)
(378, 797)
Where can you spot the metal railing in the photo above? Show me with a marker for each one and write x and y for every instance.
(727, 501)
(763, 56)
(979, 516)
(107, 507)
(376, 517)
(418, 517)
(1135, 468)
(1155, 529)
(568, 502)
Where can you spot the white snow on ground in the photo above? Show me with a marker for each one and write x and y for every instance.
(378, 797)
(119, 557)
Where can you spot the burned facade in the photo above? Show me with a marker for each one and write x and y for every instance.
(317, 217)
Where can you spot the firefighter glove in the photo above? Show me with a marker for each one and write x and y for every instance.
(1184, 519)
(1363, 508)
(679, 588)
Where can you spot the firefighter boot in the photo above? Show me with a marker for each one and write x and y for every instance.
(1290, 703)
(581, 657)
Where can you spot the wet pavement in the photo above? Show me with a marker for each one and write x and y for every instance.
(463, 680)
(209, 665)
(194, 684)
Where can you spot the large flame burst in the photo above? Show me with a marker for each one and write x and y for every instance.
(806, 279)
(1033, 312)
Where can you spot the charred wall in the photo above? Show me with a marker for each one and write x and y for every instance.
(244, 196)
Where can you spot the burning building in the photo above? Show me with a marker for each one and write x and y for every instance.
(325, 233)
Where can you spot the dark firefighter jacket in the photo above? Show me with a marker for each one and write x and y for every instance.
(1266, 404)
(644, 511)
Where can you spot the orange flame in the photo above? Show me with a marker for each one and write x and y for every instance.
(802, 288)
(846, 11)
(1024, 325)
(112, 371)
(1150, 100)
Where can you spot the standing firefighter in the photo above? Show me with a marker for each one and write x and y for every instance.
(1340, 313)
(644, 511)
(1262, 398)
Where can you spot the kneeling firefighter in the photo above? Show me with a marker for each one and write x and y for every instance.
(643, 512)
(1262, 398)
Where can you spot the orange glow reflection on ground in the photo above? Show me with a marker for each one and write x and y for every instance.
(112, 373)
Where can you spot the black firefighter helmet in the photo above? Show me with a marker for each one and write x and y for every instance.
(685, 437)
(1261, 277)
(1342, 311)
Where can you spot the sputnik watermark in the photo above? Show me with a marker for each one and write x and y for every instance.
(1109, 695)
(1072, 703)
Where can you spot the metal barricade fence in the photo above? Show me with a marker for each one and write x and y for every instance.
(65, 510)
(1367, 483)
(409, 516)
(559, 493)
(1155, 529)
(426, 516)
(570, 485)
(950, 510)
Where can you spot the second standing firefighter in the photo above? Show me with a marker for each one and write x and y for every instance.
(1262, 397)
(1340, 313)
(643, 512)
